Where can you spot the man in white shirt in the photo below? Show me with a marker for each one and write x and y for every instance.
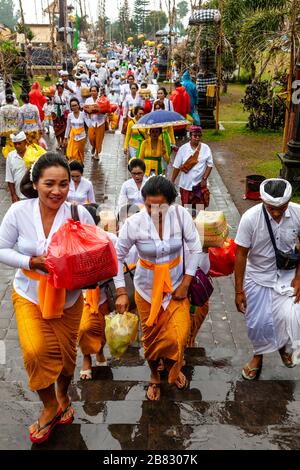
(15, 166)
(266, 292)
(70, 87)
(194, 162)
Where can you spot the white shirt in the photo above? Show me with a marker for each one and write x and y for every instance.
(139, 230)
(168, 105)
(95, 120)
(114, 99)
(130, 193)
(194, 176)
(22, 225)
(253, 233)
(83, 193)
(15, 170)
(130, 103)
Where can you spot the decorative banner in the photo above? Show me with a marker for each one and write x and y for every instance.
(76, 35)
(130, 39)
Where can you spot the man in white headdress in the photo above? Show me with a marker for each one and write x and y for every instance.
(70, 87)
(266, 292)
(15, 166)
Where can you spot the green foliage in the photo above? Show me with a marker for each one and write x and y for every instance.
(7, 16)
(140, 14)
(267, 110)
(182, 9)
(155, 21)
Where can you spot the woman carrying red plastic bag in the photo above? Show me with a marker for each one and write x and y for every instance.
(48, 318)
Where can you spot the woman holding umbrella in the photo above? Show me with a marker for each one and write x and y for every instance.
(153, 152)
(156, 148)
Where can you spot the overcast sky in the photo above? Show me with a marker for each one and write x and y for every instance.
(33, 8)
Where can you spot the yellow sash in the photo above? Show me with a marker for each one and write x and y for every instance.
(162, 284)
(51, 300)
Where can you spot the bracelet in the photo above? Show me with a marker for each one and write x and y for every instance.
(240, 292)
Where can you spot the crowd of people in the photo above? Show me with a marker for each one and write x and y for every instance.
(153, 232)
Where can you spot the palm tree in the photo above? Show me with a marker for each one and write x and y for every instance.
(262, 28)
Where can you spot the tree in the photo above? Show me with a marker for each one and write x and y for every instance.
(182, 9)
(155, 21)
(140, 13)
(7, 16)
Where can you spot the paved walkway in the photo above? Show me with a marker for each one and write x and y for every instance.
(219, 411)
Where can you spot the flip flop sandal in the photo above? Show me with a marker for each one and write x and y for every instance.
(86, 374)
(287, 360)
(246, 376)
(101, 364)
(51, 424)
(63, 413)
(155, 386)
(183, 387)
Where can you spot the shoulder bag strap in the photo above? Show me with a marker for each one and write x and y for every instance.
(74, 213)
(270, 229)
(182, 236)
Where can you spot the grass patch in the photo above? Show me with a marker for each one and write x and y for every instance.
(269, 169)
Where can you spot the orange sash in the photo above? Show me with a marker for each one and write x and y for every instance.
(162, 284)
(51, 300)
(92, 299)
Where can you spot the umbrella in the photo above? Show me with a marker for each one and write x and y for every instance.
(161, 119)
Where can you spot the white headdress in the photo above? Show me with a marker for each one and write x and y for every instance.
(276, 201)
(18, 137)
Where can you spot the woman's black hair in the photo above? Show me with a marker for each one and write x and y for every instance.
(162, 88)
(95, 86)
(137, 109)
(74, 99)
(137, 162)
(134, 84)
(130, 75)
(48, 160)
(25, 97)
(9, 99)
(160, 186)
(75, 165)
(144, 85)
(126, 211)
(159, 104)
(59, 84)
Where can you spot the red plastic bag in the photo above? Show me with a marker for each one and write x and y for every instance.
(147, 106)
(113, 108)
(103, 104)
(222, 259)
(80, 255)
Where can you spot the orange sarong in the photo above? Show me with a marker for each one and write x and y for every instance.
(48, 346)
(168, 337)
(162, 284)
(91, 338)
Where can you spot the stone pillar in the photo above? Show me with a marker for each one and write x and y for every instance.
(291, 159)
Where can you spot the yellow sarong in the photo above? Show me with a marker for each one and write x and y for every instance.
(51, 300)
(162, 284)
(48, 346)
(75, 149)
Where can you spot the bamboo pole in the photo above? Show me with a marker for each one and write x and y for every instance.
(219, 66)
(291, 75)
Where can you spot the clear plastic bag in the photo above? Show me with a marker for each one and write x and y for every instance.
(120, 331)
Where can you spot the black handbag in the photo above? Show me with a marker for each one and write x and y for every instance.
(111, 292)
(285, 261)
(3, 139)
